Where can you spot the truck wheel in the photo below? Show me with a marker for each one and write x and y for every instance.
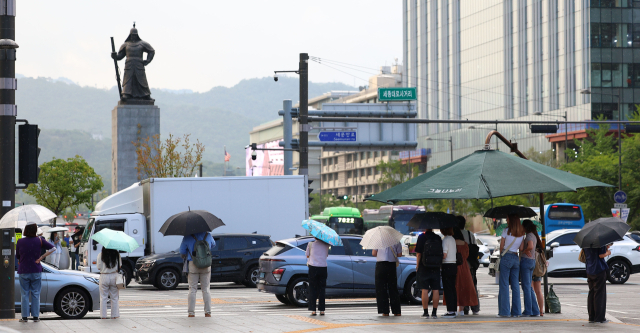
(167, 279)
(128, 273)
(411, 292)
(252, 277)
(283, 299)
(72, 303)
(297, 291)
(619, 271)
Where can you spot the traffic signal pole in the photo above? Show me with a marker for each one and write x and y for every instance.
(8, 112)
(303, 69)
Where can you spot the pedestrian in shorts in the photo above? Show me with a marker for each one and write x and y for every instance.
(429, 246)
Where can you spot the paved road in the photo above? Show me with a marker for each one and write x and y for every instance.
(244, 309)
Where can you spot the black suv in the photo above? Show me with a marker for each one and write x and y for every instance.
(234, 259)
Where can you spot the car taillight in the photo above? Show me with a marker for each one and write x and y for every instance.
(277, 273)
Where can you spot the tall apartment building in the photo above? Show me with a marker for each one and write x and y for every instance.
(507, 59)
(355, 173)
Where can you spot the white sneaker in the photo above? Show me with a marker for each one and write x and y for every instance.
(460, 313)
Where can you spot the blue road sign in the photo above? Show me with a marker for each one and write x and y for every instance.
(620, 197)
(337, 136)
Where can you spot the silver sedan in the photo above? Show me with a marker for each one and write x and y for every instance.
(70, 294)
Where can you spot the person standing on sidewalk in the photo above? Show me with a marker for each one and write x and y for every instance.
(109, 263)
(472, 261)
(76, 238)
(527, 264)
(317, 253)
(195, 245)
(449, 272)
(464, 282)
(387, 279)
(597, 279)
(429, 250)
(55, 239)
(511, 242)
(28, 252)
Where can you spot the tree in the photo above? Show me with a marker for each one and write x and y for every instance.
(394, 172)
(162, 159)
(65, 184)
(631, 176)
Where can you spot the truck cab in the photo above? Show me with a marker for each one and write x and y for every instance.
(122, 211)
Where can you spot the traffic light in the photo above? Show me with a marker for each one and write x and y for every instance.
(345, 197)
(28, 152)
(309, 189)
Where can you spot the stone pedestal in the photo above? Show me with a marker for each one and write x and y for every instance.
(129, 123)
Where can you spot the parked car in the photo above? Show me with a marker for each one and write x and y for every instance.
(492, 242)
(70, 294)
(634, 236)
(234, 259)
(483, 253)
(409, 244)
(564, 252)
(284, 271)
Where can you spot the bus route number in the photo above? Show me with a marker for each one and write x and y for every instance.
(346, 220)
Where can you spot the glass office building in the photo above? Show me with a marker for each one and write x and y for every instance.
(518, 59)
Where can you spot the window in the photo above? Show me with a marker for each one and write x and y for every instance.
(324, 178)
(595, 35)
(330, 160)
(566, 239)
(375, 154)
(336, 250)
(349, 157)
(362, 171)
(117, 225)
(376, 188)
(235, 243)
(324, 162)
(356, 248)
(330, 177)
(369, 189)
(355, 156)
(256, 242)
(565, 213)
(362, 156)
(606, 75)
(369, 171)
(384, 153)
(335, 160)
(348, 174)
(368, 154)
(596, 75)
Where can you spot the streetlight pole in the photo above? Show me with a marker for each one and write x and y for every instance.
(588, 92)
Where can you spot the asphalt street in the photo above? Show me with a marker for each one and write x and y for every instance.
(234, 303)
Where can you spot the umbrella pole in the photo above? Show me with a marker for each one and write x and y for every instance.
(544, 249)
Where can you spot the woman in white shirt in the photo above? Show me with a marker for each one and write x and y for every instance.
(449, 271)
(55, 258)
(511, 242)
(317, 253)
(109, 263)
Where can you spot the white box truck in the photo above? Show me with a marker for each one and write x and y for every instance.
(274, 205)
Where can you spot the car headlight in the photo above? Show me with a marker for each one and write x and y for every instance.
(148, 264)
(92, 279)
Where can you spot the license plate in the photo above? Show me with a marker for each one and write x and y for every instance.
(262, 275)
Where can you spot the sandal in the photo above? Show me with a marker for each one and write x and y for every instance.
(322, 313)
(313, 313)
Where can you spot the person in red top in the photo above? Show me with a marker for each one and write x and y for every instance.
(30, 270)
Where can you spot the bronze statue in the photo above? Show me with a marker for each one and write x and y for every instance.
(134, 83)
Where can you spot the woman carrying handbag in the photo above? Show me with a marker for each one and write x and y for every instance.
(109, 263)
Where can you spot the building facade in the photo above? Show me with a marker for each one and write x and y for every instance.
(520, 60)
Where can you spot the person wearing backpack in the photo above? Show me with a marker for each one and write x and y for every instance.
(196, 248)
(472, 261)
(429, 259)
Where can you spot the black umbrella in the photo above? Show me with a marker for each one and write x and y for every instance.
(601, 232)
(433, 220)
(503, 211)
(190, 222)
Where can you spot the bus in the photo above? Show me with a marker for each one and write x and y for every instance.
(344, 220)
(563, 216)
(400, 216)
(376, 217)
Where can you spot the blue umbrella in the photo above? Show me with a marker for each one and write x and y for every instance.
(322, 232)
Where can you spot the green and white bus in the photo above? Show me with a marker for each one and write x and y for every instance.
(344, 220)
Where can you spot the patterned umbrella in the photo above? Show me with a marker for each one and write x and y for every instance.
(322, 232)
(380, 238)
(115, 240)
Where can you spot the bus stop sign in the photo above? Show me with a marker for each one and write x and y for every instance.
(620, 197)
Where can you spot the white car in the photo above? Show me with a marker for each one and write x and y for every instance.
(623, 261)
(485, 251)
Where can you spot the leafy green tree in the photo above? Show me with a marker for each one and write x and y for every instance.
(631, 174)
(394, 172)
(65, 184)
(320, 202)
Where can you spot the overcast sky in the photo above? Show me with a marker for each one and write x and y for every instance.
(206, 43)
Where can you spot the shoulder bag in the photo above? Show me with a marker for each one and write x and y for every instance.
(540, 269)
(121, 282)
(582, 257)
(310, 249)
(496, 264)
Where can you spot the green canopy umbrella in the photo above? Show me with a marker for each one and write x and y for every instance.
(486, 174)
(115, 240)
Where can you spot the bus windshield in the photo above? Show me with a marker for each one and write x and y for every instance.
(400, 219)
(87, 230)
(346, 225)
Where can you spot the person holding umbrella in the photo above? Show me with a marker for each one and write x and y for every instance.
(595, 238)
(511, 242)
(317, 253)
(197, 243)
(385, 242)
(109, 263)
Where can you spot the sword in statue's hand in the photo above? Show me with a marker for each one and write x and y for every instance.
(115, 62)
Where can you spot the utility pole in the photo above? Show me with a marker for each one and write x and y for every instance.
(287, 124)
(8, 113)
(303, 69)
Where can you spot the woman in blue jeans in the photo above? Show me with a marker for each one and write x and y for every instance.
(511, 242)
(527, 264)
(30, 270)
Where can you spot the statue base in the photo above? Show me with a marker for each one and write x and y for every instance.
(136, 101)
(130, 123)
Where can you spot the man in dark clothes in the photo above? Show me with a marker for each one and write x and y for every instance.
(597, 279)
(428, 278)
(76, 237)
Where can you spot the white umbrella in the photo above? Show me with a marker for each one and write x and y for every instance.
(57, 229)
(380, 238)
(19, 216)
